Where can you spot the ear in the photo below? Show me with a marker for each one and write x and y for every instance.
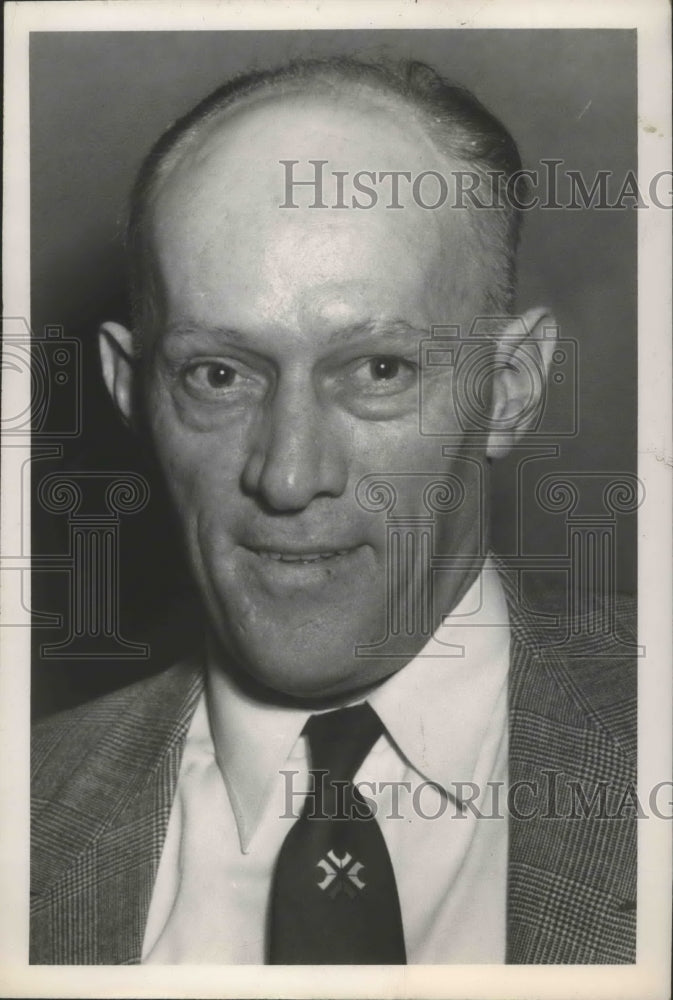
(115, 344)
(523, 353)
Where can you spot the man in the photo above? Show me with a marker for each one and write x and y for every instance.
(276, 360)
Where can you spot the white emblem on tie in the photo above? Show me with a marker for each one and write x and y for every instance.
(340, 874)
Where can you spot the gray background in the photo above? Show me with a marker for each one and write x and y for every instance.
(98, 101)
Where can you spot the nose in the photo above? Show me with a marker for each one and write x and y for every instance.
(297, 453)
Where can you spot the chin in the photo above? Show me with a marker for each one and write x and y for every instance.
(299, 644)
(277, 672)
(303, 682)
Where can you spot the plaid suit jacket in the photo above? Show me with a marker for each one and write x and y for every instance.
(104, 776)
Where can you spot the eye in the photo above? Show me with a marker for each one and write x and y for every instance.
(219, 376)
(210, 379)
(384, 375)
(379, 385)
(384, 369)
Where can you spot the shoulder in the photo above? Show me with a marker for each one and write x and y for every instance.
(142, 713)
(577, 657)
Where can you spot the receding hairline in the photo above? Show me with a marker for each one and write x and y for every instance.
(472, 136)
(287, 92)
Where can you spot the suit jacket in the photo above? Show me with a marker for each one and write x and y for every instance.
(104, 776)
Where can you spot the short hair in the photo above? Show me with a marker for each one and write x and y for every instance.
(454, 119)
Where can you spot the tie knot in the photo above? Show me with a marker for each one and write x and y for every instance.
(341, 740)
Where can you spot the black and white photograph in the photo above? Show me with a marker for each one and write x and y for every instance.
(336, 542)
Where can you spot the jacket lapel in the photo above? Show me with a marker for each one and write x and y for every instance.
(571, 872)
(98, 890)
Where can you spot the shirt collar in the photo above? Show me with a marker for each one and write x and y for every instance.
(436, 709)
(252, 740)
(439, 708)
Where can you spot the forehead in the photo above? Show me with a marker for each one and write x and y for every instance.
(341, 125)
(218, 219)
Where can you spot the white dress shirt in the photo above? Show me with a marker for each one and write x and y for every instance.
(445, 718)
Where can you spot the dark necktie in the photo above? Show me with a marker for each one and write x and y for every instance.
(334, 898)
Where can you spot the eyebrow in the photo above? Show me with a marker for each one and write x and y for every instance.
(353, 331)
(186, 328)
(388, 327)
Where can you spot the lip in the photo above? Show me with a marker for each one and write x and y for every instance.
(315, 572)
(284, 569)
(301, 555)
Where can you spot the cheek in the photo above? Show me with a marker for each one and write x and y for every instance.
(400, 445)
(199, 467)
(404, 473)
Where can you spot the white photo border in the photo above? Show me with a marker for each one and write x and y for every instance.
(649, 977)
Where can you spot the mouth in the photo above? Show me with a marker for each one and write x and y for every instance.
(308, 566)
(304, 558)
(317, 572)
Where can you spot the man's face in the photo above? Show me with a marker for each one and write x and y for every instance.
(285, 369)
